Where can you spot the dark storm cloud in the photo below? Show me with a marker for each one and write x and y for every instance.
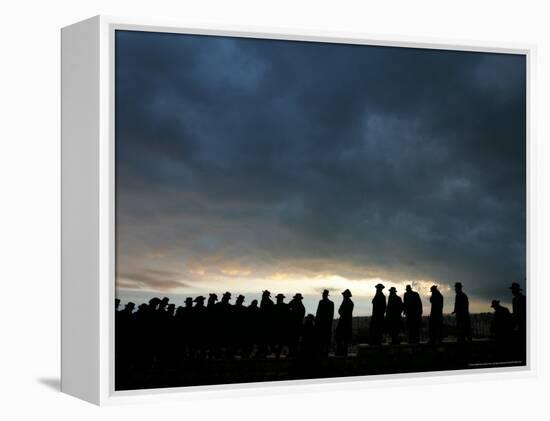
(266, 151)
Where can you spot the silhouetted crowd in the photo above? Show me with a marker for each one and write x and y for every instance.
(158, 334)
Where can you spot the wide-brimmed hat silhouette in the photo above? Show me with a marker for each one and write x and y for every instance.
(380, 286)
(199, 298)
(433, 288)
(458, 284)
(266, 293)
(346, 293)
(495, 303)
(408, 288)
(298, 296)
(515, 287)
(280, 296)
(392, 289)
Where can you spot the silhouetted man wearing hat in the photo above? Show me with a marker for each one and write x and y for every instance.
(211, 326)
(296, 311)
(394, 321)
(323, 323)
(199, 328)
(267, 324)
(462, 313)
(252, 327)
(237, 323)
(281, 322)
(412, 307)
(344, 327)
(224, 323)
(519, 312)
(378, 316)
(124, 335)
(501, 325)
(436, 316)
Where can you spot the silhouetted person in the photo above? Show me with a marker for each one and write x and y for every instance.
(238, 322)
(394, 321)
(519, 307)
(223, 312)
(502, 323)
(462, 312)
(152, 332)
(169, 347)
(211, 326)
(266, 329)
(519, 313)
(412, 307)
(117, 303)
(344, 327)
(200, 324)
(280, 319)
(163, 329)
(185, 319)
(378, 315)
(323, 323)
(125, 333)
(252, 328)
(436, 316)
(308, 348)
(296, 313)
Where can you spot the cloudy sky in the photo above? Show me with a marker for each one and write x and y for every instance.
(246, 164)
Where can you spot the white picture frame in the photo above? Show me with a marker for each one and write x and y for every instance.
(88, 217)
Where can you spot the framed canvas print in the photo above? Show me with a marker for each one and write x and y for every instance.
(253, 209)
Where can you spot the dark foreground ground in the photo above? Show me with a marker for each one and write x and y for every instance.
(366, 360)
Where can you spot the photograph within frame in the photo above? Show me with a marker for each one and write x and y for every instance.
(299, 210)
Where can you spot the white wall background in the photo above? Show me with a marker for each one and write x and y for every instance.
(30, 221)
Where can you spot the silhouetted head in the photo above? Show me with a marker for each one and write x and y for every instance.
(129, 307)
(516, 289)
(117, 303)
(280, 297)
(495, 303)
(240, 299)
(379, 287)
(189, 302)
(408, 288)
(212, 298)
(325, 293)
(298, 296)
(254, 304)
(226, 297)
(163, 303)
(153, 303)
(458, 286)
(346, 293)
(143, 307)
(433, 288)
(266, 294)
(392, 290)
(199, 299)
